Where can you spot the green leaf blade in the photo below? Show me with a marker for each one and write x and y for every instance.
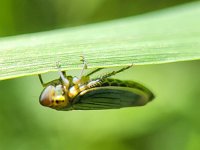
(164, 36)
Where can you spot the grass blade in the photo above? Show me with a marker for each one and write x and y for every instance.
(163, 36)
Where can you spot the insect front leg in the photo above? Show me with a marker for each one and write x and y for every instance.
(41, 80)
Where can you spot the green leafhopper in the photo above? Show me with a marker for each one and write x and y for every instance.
(72, 93)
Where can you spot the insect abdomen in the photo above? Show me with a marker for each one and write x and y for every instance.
(120, 83)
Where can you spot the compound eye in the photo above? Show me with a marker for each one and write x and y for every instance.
(46, 96)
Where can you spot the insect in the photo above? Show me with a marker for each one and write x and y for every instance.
(83, 93)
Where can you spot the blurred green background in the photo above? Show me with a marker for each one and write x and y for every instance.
(25, 16)
(171, 121)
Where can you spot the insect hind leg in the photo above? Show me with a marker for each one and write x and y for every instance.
(115, 72)
(94, 71)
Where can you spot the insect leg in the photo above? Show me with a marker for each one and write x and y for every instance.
(115, 72)
(94, 71)
(84, 65)
(85, 78)
(62, 75)
(41, 81)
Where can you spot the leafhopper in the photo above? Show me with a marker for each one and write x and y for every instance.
(84, 93)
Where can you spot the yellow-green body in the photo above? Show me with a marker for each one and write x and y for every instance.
(72, 93)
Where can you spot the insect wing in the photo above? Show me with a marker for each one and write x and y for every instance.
(111, 97)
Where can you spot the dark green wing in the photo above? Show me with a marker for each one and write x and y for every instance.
(112, 97)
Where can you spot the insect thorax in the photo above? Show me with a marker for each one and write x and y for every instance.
(80, 86)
